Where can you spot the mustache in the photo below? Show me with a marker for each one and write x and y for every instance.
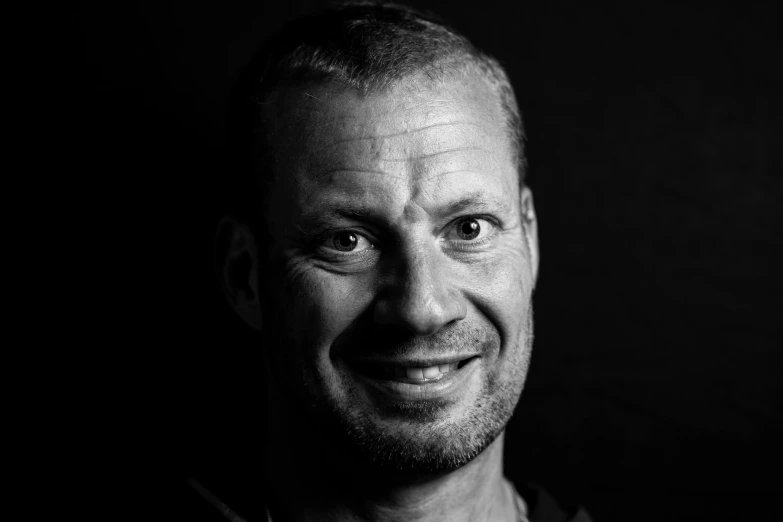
(386, 341)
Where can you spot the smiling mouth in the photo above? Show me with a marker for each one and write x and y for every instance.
(410, 373)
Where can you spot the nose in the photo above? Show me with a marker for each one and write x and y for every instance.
(420, 295)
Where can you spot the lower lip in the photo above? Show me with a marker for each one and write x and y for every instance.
(447, 385)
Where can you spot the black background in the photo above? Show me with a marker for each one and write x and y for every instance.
(655, 137)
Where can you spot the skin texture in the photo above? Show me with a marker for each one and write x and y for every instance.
(397, 175)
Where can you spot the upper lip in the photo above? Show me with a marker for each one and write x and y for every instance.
(417, 362)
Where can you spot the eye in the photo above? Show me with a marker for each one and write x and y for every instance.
(471, 229)
(348, 241)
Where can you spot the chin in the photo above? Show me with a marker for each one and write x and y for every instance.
(434, 454)
(418, 438)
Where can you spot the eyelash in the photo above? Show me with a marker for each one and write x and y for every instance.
(464, 245)
(322, 238)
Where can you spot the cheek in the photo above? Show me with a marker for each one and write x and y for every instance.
(504, 298)
(501, 290)
(320, 305)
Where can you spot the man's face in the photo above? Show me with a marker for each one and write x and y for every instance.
(402, 270)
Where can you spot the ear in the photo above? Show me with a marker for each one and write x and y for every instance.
(530, 228)
(236, 264)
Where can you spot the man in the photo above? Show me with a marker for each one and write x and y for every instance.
(388, 252)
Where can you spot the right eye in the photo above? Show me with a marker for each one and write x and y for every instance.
(348, 241)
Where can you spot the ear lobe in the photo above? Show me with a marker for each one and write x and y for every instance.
(530, 227)
(236, 265)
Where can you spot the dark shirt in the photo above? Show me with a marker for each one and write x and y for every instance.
(203, 505)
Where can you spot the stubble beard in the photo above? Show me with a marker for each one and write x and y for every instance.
(424, 440)
(426, 444)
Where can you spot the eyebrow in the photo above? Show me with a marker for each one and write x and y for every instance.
(311, 221)
(475, 202)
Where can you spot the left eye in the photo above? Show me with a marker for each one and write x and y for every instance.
(347, 241)
(470, 229)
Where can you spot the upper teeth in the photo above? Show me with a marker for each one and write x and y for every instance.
(418, 373)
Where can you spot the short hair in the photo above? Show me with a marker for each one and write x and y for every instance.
(366, 46)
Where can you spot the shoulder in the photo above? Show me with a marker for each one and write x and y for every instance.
(202, 504)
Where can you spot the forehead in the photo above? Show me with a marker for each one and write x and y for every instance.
(433, 138)
(322, 115)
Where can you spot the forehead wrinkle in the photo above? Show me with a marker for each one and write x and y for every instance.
(385, 137)
(431, 155)
(418, 167)
(438, 167)
(320, 175)
(370, 154)
(410, 159)
(351, 191)
(372, 161)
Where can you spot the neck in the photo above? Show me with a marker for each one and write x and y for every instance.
(308, 481)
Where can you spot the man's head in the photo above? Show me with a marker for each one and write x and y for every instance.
(392, 266)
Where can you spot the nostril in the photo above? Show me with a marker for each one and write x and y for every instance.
(420, 299)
